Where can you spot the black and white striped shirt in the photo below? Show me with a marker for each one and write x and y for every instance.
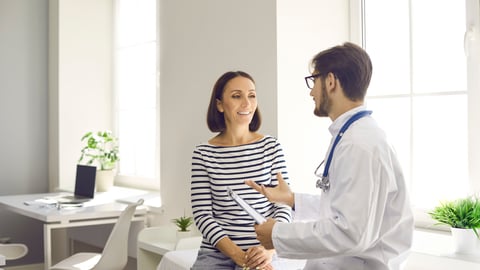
(216, 167)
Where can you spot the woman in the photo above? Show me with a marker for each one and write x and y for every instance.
(237, 153)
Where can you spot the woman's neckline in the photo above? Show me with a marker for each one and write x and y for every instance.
(256, 138)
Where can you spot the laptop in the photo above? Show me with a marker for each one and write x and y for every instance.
(84, 186)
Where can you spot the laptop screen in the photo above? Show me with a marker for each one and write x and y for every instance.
(85, 181)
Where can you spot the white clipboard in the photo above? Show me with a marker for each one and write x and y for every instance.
(259, 218)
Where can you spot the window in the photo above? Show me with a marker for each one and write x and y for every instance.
(421, 94)
(136, 92)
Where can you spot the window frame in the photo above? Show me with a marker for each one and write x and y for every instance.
(472, 43)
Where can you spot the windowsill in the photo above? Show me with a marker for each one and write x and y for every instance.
(131, 195)
(439, 244)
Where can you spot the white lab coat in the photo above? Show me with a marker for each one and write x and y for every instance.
(364, 221)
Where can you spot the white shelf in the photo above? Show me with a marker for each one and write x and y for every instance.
(440, 244)
(158, 247)
(434, 250)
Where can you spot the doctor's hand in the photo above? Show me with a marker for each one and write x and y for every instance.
(279, 194)
(264, 233)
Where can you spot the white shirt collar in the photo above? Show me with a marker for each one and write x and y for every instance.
(338, 123)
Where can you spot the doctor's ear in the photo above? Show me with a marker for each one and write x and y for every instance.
(331, 79)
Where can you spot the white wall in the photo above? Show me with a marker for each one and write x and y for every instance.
(23, 115)
(80, 83)
(304, 28)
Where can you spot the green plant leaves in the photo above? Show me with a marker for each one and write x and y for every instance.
(101, 149)
(183, 223)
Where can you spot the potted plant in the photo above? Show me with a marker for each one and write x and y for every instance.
(463, 217)
(183, 224)
(101, 150)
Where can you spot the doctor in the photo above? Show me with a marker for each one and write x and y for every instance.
(362, 218)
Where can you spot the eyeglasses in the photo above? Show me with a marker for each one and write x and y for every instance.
(310, 80)
(323, 182)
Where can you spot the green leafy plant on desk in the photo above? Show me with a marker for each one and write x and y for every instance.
(101, 150)
(183, 223)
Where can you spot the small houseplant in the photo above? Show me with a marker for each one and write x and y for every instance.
(463, 217)
(183, 223)
(101, 150)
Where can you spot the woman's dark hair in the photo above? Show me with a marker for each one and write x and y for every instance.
(350, 64)
(215, 119)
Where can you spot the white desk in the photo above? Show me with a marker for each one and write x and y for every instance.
(104, 209)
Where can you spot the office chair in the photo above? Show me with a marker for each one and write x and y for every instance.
(115, 253)
(12, 251)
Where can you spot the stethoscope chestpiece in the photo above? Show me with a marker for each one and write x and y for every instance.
(323, 183)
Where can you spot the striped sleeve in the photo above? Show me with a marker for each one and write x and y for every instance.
(202, 201)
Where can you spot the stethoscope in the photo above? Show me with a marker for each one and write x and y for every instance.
(323, 182)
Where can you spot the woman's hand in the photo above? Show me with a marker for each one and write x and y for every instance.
(259, 258)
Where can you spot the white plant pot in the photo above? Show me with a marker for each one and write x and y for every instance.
(181, 234)
(465, 241)
(104, 180)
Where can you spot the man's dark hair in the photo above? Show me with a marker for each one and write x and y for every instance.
(350, 64)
